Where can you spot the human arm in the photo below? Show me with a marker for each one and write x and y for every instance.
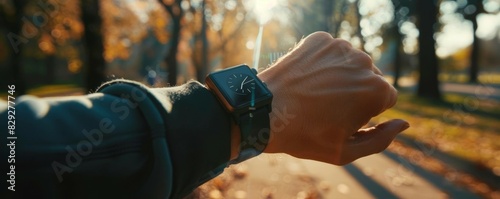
(123, 123)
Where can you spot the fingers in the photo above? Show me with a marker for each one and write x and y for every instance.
(373, 140)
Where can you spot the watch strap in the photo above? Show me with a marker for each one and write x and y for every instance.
(255, 133)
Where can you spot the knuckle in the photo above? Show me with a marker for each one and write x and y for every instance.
(364, 59)
(389, 92)
(384, 94)
(315, 41)
(383, 86)
(320, 35)
(343, 44)
(376, 70)
(393, 97)
(357, 57)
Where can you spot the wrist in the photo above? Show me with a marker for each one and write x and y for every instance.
(276, 125)
(272, 84)
(235, 140)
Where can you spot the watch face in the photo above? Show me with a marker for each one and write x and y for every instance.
(241, 84)
(240, 87)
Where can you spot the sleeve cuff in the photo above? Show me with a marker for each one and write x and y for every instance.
(198, 135)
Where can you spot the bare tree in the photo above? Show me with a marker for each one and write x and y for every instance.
(358, 29)
(94, 45)
(176, 13)
(428, 84)
(202, 70)
(14, 24)
(402, 10)
(470, 11)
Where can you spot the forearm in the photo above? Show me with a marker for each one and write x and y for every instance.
(85, 141)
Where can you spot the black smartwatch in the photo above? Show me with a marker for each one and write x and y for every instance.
(248, 100)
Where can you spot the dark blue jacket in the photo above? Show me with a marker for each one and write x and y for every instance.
(124, 141)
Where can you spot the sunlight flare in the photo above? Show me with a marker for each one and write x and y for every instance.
(263, 9)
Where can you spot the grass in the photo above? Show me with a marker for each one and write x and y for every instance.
(460, 125)
(51, 90)
(487, 78)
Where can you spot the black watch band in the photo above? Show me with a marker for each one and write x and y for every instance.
(255, 133)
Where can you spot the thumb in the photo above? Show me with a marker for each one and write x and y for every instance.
(375, 139)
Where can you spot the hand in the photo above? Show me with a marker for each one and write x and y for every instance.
(324, 92)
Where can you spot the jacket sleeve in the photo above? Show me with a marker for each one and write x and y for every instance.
(125, 141)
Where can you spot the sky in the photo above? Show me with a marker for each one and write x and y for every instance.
(456, 33)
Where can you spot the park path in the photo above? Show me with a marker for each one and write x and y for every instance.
(383, 175)
(479, 90)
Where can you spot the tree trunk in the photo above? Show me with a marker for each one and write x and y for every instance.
(428, 84)
(203, 69)
(176, 13)
(16, 40)
(397, 56)
(93, 43)
(358, 29)
(50, 72)
(328, 12)
(343, 11)
(171, 58)
(398, 38)
(474, 56)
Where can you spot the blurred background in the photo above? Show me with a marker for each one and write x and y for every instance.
(442, 55)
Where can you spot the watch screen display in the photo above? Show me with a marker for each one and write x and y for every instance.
(240, 87)
(241, 84)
